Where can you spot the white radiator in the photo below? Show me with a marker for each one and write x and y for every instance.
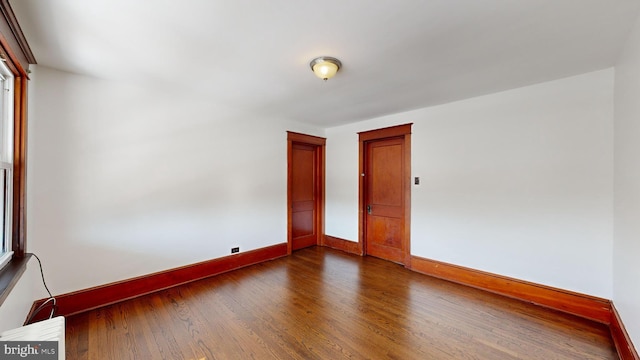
(46, 330)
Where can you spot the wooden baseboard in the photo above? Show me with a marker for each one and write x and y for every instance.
(621, 338)
(582, 305)
(88, 299)
(342, 244)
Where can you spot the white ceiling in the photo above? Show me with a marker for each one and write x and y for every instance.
(397, 55)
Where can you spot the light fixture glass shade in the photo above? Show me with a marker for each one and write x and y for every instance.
(325, 67)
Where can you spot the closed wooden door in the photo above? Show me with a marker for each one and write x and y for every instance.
(304, 195)
(385, 199)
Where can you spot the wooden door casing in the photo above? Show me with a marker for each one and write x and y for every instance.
(385, 233)
(305, 190)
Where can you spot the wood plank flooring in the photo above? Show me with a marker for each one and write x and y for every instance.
(324, 304)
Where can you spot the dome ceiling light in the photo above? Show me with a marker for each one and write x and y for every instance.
(325, 67)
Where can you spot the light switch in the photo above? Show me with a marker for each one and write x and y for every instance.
(416, 180)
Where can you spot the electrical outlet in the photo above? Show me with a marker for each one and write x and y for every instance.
(235, 250)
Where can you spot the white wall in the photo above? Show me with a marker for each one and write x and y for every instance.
(518, 183)
(126, 179)
(16, 306)
(626, 250)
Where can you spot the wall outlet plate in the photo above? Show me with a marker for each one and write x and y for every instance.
(235, 250)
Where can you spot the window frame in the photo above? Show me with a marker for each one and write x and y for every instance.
(18, 195)
(6, 162)
(17, 55)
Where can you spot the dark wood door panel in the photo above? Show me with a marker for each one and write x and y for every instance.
(303, 173)
(302, 224)
(385, 239)
(386, 171)
(386, 231)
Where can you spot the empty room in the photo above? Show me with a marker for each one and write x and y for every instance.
(208, 179)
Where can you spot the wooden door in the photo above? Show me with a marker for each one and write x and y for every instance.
(385, 199)
(306, 187)
(303, 197)
(385, 193)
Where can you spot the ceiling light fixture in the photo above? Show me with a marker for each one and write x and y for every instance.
(325, 67)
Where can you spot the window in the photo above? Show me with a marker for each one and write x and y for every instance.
(6, 162)
(15, 58)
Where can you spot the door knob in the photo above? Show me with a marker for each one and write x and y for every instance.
(369, 209)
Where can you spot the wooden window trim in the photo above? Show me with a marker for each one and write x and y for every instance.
(14, 41)
(15, 51)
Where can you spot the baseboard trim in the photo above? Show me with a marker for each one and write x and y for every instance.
(88, 299)
(582, 305)
(342, 244)
(621, 338)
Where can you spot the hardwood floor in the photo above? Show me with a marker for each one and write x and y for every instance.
(324, 304)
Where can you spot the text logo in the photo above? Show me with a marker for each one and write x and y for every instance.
(33, 350)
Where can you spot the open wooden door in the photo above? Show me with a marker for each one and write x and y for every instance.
(385, 194)
(305, 190)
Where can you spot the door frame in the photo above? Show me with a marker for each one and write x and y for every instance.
(403, 131)
(319, 144)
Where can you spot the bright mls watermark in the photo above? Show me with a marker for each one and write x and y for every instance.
(34, 350)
